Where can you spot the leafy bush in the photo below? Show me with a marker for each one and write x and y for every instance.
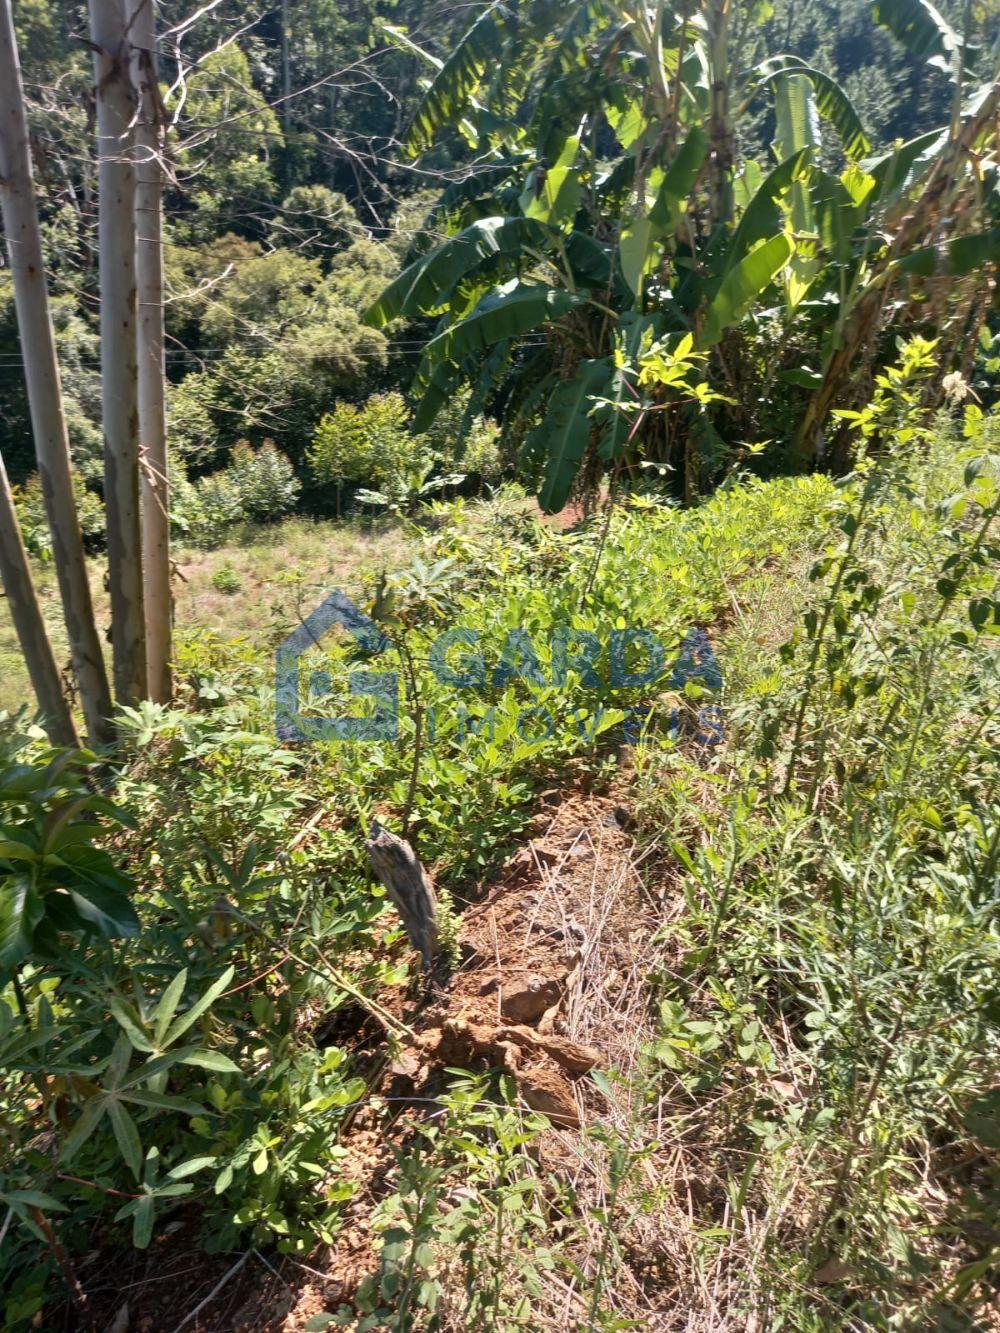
(54, 880)
(264, 480)
(480, 456)
(30, 506)
(227, 580)
(370, 445)
(258, 485)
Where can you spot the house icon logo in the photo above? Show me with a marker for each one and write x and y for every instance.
(382, 686)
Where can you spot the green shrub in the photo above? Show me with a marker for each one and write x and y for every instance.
(227, 580)
(481, 457)
(370, 445)
(258, 485)
(264, 480)
(30, 507)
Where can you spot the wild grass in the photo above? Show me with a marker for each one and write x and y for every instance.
(282, 571)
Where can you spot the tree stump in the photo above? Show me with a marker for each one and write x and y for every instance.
(408, 885)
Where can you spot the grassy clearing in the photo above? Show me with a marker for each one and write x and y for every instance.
(257, 586)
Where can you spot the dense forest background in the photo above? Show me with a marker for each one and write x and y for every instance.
(288, 209)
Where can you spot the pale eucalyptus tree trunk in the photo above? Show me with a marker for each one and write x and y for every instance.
(120, 409)
(41, 370)
(149, 134)
(26, 614)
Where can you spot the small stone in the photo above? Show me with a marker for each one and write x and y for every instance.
(526, 999)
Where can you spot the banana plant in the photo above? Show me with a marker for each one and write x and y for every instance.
(606, 191)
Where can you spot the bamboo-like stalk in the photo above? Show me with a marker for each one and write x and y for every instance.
(120, 409)
(720, 126)
(154, 481)
(26, 614)
(41, 370)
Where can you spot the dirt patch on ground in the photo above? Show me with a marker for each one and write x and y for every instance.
(529, 995)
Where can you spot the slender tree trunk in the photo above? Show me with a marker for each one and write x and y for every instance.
(41, 369)
(27, 617)
(152, 409)
(720, 128)
(120, 411)
(286, 67)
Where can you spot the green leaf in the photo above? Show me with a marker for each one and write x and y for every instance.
(90, 1117)
(128, 1020)
(743, 284)
(21, 910)
(831, 102)
(440, 388)
(955, 258)
(456, 82)
(142, 1225)
(588, 259)
(635, 251)
(126, 1136)
(214, 1060)
(161, 1101)
(564, 433)
(189, 1167)
(167, 1007)
(505, 312)
(34, 1199)
(891, 171)
(559, 197)
(796, 116)
(762, 218)
(199, 1007)
(107, 909)
(797, 129)
(422, 288)
(922, 29)
(678, 181)
(17, 851)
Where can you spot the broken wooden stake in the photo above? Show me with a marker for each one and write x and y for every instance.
(408, 885)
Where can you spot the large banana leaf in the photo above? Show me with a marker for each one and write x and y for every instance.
(955, 258)
(743, 284)
(589, 261)
(421, 289)
(507, 311)
(762, 217)
(797, 127)
(456, 82)
(464, 202)
(678, 181)
(672, 188)
(552, 194)
(562, 436)
(840, 210)
(796, 116)
(921, 28)
(444, 380)
(832, 103)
